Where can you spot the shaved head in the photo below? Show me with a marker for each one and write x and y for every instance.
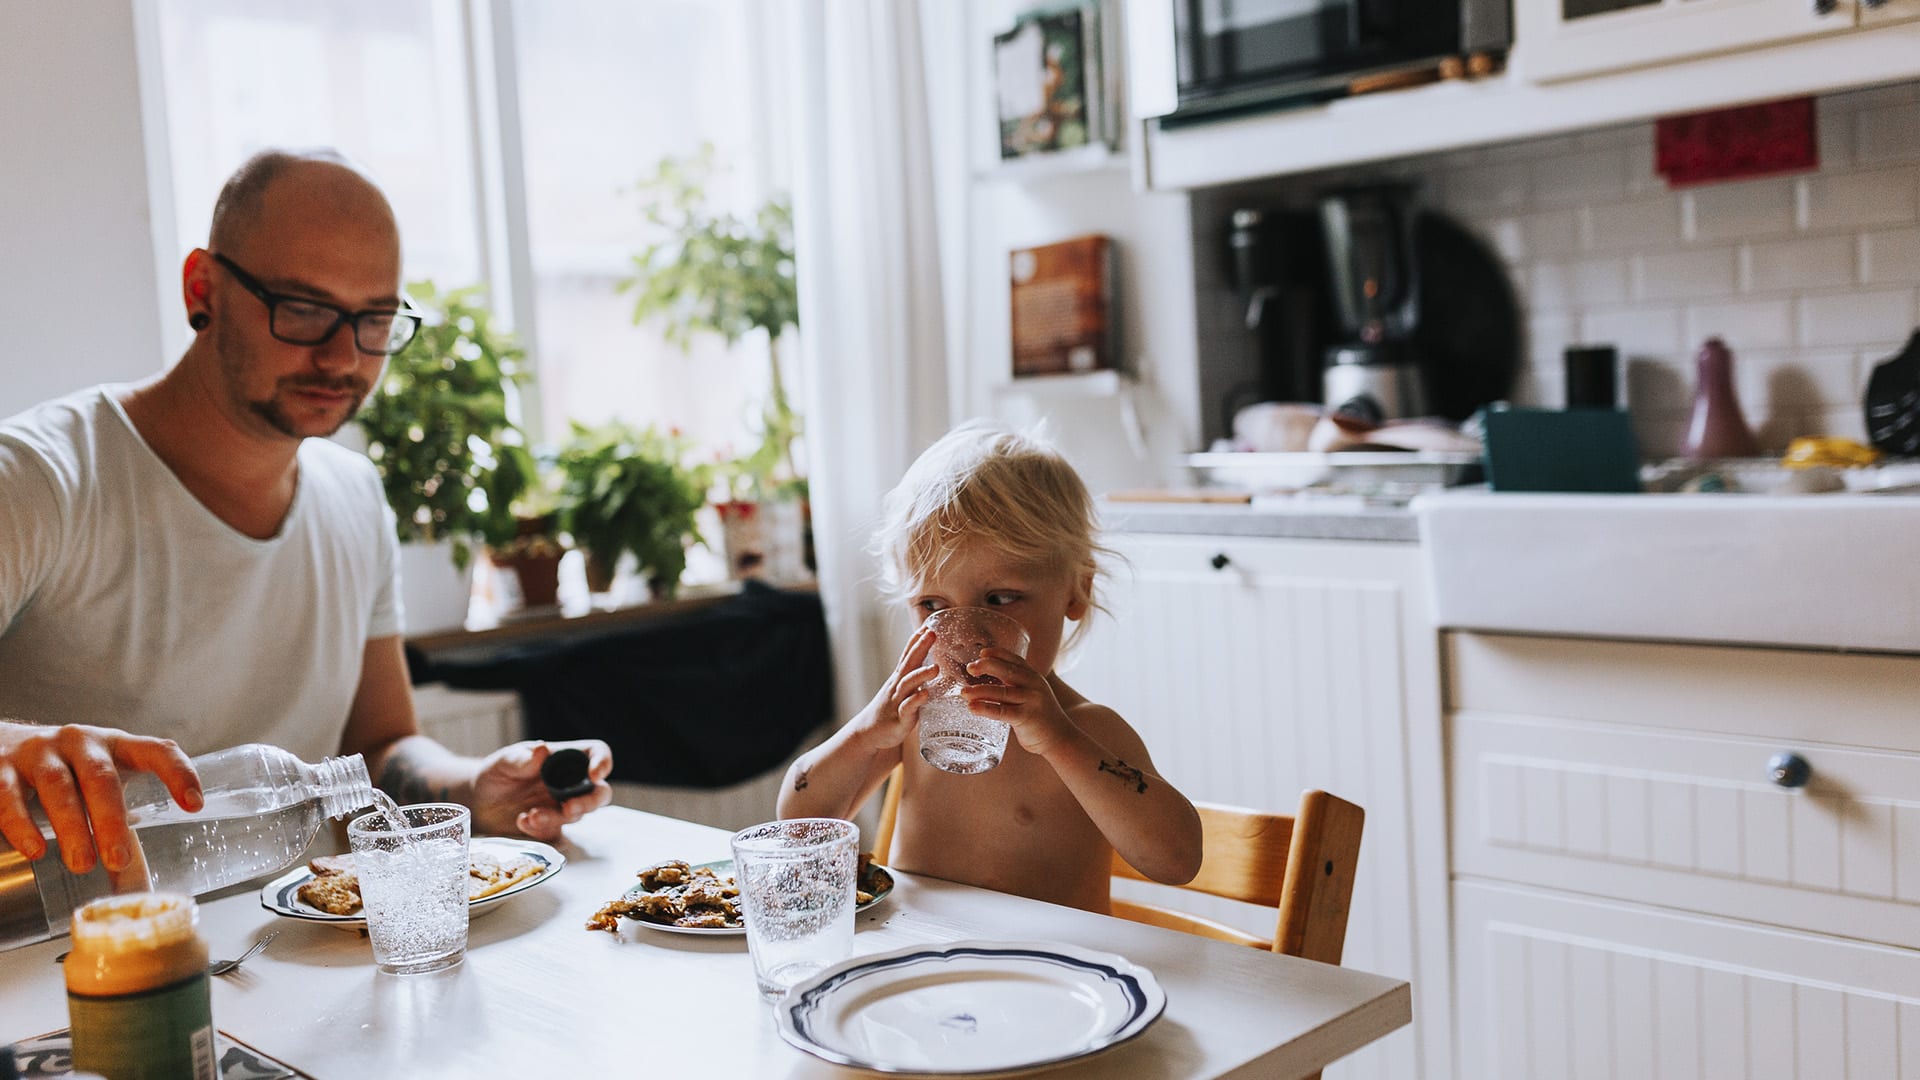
(239, 210)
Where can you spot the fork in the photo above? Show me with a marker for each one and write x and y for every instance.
(221, 967)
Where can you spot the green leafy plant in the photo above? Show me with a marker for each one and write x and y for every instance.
(438, 428)
(626, 489)
(716, 272)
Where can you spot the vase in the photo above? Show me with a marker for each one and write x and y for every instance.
(435, 593)
(600, 573)
(765, 541)
(1717, 429)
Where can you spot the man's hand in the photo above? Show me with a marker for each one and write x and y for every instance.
(74, 771)
(509, 797)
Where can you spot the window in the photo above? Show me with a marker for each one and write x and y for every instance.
(604, 89)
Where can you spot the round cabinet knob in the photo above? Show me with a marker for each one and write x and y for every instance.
(1825, 7)
(1220, 561)
(1789, 770)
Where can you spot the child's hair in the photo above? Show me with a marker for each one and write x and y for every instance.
(984, 483)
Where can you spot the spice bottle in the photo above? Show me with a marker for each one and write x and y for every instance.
(1717, 429)
(138, 998)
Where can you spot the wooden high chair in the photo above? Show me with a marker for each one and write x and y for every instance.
(1302, 865)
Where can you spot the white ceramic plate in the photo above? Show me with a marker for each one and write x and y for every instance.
(970, 1008)
(280, 895)
(724, 867)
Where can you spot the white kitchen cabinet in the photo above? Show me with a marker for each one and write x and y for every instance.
(1563, 39)
(1619, 839)
(1255, 668)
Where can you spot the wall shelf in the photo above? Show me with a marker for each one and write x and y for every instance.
(1088, 384)
(1096, 157)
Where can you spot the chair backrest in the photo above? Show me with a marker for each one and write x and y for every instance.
(1302, 865)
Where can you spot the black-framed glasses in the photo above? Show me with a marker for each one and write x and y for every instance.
(297, 320)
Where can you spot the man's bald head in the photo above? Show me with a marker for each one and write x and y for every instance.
(327, 179)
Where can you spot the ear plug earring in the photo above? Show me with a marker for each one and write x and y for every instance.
(198, 320)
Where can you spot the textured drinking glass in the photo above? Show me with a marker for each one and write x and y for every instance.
(413, 884)
(796, 883)
(951, 736)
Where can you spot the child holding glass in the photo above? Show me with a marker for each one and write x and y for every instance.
(990, 518)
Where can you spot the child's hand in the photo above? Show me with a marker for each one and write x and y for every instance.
(896, 708)
(1023, 700)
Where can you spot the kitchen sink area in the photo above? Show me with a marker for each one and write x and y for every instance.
(1827, 571)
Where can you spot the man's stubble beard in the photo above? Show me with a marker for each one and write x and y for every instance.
(233, 362)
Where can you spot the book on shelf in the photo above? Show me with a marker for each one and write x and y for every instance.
(1063, 318)
(1050, 83)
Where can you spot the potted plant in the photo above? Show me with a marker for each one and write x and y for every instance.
(535, 546)
(630, 490)
(715, 272)
(450, 457)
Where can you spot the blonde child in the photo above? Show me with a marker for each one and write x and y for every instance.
(990, 518)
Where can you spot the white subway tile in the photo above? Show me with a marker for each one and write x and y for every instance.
(1640, 330)
(1547, 339)
(1840, 424)
(1657, 388)
(1772, 382)
(1892, 257)
(1685, 275)
(1758, 324)
(1833, 129)
(1583, 176)
(1904, 93)
(1486, 187)
(1853, 200)
(1887, 135)
(1635, 134)
(1650, 223)
(1503, 235)
(1857, 318)
(1740, 211)
(1801, 264)
(1556, 232)
(1578, 283)
(1638, 164)
(1530, 149)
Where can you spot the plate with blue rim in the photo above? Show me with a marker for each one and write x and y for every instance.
(970, 1008)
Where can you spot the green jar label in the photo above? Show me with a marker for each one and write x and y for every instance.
(153, 1035)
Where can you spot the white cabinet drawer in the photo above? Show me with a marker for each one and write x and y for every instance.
(1691, 821)
(1551, 989)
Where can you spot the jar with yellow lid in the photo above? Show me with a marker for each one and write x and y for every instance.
(138, 996)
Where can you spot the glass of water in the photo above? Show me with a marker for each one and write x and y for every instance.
(951, 736)
(413, 884)
(797, 882)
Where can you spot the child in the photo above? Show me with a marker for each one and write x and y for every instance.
(990, 518)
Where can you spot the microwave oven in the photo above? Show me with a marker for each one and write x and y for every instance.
(1238, 56)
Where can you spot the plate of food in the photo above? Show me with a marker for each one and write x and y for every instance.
(326, 890)
(701, 898)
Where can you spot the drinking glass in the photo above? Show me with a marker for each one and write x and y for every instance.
(413, 884)
(951, 736)
(797, 881)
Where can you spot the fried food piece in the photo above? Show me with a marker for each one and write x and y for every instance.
(489, 874)
(608, 917)
(709, 919)
(666, 874)
(661, 907)
(709, 892)
(334, 893)
(331, 864)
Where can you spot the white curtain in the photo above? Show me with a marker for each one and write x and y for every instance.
(872, 335)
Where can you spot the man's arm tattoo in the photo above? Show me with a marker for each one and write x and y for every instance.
(404, 781)
(1127, 774)
(800, 780)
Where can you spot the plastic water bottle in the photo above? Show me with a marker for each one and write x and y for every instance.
(263, 808)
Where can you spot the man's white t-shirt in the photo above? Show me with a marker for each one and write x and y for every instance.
(125, 602)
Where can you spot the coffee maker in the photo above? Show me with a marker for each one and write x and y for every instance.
(1374, 370)
(1278, 266)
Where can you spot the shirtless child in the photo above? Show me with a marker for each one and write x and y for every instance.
(989, 518)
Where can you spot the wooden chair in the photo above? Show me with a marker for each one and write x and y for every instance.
(1302, 865)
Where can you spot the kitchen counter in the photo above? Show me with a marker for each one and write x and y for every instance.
(1333, 522)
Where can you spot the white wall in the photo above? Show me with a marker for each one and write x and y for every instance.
(78, 299)
(1154, 291)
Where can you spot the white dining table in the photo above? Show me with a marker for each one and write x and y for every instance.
(539, 995)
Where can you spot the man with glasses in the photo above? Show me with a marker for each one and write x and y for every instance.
(187, 563)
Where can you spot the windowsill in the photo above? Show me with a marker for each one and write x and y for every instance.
(579, 619)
